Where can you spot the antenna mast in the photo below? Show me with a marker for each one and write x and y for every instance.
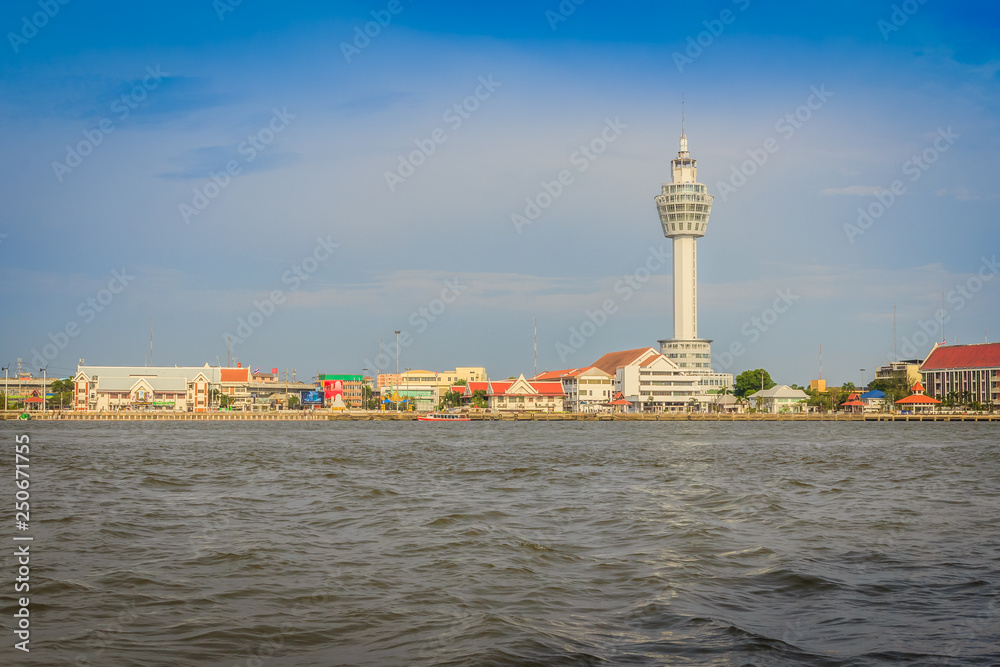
(536, 348)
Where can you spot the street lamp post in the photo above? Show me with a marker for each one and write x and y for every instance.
(43, 370)
(5, 370)
(862, 379)
(397, 368)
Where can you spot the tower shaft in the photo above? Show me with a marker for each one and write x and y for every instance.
(685, 288)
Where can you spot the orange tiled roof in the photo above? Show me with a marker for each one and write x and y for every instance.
(612, 361)
(500, 388)
(553, 375)
(235, 374)
(548, 388)
(917, 399)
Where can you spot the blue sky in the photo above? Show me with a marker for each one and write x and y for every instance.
(308, 135)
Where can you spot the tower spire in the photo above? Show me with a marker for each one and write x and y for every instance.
(683, 152)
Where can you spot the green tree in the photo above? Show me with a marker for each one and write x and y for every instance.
(293, 402)
(461, 383)
(748, 382)
(451, 399)
(479, 398)
(819, 400)
(367, 400)
(848, 387)
(62, 392)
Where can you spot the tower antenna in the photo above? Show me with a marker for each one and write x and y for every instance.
(536, 348)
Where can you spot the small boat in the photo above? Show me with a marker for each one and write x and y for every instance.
(443, 417)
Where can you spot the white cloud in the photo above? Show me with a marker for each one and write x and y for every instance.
(961, 193)
(853, 190)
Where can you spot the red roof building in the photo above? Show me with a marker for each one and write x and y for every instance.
(956, 369)
(519, 395)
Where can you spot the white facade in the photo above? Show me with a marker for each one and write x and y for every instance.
(781, 398)
(171, 388)
(650, 381)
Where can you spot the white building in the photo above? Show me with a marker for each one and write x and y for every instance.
(684, 206)
(160, 388)
(176, 388)
(587, 389)
(781, 398)
(650, 381)
(519, 395)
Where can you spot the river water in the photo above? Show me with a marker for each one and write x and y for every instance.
(671, 543)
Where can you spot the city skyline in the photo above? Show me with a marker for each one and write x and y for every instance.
(458, 172)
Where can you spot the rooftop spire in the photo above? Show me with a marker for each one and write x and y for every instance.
(683, 153)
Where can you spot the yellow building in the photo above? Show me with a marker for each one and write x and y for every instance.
(427, 388)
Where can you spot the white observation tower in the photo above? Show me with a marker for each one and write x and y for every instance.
(684, 206)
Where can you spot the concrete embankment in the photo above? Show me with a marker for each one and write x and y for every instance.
(316, 416)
